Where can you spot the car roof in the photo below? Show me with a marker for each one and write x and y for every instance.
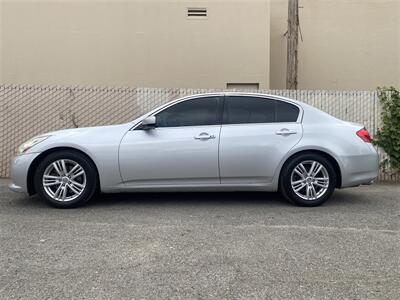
(248, 94)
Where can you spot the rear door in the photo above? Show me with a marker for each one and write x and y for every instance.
(256, 134)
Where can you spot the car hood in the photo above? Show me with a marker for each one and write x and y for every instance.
(70, 131)
(88, 130)
(82, 138)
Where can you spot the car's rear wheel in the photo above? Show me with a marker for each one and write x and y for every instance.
(308, 179)
(66, 179)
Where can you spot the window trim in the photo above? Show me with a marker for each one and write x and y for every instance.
(266, 97)
(221, 95)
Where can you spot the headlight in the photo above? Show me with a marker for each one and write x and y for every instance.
(30, 143)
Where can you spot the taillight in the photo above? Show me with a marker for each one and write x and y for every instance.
(364, 135)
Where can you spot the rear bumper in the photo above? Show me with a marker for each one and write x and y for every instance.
(360, 169)
(19, 172)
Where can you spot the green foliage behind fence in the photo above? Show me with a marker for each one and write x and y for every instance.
(388, 136)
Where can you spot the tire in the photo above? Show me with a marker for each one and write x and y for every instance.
(80, 182)
(302, 188)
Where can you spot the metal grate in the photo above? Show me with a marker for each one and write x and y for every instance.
(196, 12)
(28, 110)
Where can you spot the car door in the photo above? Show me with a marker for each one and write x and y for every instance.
(256, 134)
(181, 150)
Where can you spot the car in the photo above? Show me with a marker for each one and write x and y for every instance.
(227, 141)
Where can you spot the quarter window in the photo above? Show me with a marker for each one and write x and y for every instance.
(241, 109)
(195, 112)
(286, 112)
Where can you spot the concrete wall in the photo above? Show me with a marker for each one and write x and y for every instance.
(347, 44)
(136, 43)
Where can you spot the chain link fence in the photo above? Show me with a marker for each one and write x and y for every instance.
(28, 110)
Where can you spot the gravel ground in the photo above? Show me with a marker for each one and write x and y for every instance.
(202, 246)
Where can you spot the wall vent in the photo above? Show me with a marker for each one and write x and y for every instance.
(196, 12)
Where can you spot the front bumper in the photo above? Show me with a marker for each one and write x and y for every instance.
(19, 172)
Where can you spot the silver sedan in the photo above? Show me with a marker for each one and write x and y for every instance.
(208, 142)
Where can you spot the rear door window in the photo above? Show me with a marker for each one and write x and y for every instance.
(247, 110)
(241, 110)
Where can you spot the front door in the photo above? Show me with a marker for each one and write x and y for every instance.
(181, 151)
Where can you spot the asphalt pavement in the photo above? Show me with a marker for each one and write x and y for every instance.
(202, 246)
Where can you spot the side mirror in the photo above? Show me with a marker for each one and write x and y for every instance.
(149, 123)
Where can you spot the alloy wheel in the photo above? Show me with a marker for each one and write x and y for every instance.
(309, 180)
(64, 180)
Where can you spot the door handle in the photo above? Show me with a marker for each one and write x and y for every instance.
(285, 131)
(204, 136)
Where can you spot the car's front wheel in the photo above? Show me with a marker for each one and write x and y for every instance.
(66, 179)
(308, 179)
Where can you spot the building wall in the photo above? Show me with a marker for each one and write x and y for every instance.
(135, 43)
(347, 44)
